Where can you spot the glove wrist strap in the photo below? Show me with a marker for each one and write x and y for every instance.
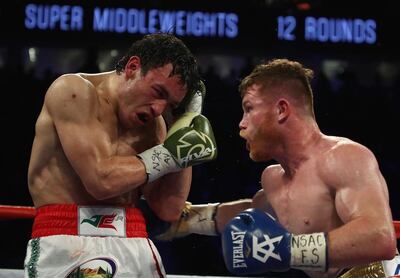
(202, 218)
(309, 252)
(158, 161)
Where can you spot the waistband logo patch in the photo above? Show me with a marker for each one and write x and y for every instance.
(97, 267)
(102, 221)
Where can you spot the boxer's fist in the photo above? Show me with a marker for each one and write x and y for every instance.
(190, 141)
(254, 243)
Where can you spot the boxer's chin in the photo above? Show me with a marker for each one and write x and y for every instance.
(257, 156)
(253, 156)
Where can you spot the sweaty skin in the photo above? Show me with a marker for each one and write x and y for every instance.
(88, 132)
(317, 198)
(321, 184)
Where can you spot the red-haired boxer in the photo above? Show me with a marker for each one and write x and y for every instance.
(100, 143)
(327, 199)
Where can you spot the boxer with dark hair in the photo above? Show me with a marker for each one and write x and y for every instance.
(101, 143)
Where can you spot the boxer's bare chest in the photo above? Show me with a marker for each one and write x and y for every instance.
(303, 204)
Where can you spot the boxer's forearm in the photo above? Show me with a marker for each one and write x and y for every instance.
(361, 241)
(226, 211)
(204, 219)
(167, 196)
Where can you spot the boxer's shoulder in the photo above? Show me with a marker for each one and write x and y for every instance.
(272, 174)
(71, 88)
(342, 152)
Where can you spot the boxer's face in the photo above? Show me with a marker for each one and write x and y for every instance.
(258, 126)
(147, 96)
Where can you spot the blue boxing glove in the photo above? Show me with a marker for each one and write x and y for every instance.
(253, 242)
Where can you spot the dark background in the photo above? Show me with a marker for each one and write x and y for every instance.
(356, 91)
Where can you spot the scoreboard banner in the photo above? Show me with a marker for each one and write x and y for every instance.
(121, 22)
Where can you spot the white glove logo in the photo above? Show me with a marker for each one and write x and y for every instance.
(258, 248)
(196, 151)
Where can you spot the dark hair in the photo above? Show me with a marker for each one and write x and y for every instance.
(277, 72)
(157, 50)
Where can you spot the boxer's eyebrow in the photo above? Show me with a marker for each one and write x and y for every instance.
(165, 94)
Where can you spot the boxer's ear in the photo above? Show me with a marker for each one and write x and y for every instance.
(283, 109)
(132, 66)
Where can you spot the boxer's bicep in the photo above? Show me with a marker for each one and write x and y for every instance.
(361, 190)
(260, 201)
(361, 203)
(73, 108)
(226, 211)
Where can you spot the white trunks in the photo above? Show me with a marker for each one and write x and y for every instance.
(108, 242)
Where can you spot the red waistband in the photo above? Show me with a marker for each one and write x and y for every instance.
(63, 220)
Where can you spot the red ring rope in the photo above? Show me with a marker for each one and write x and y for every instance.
(16, 212)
